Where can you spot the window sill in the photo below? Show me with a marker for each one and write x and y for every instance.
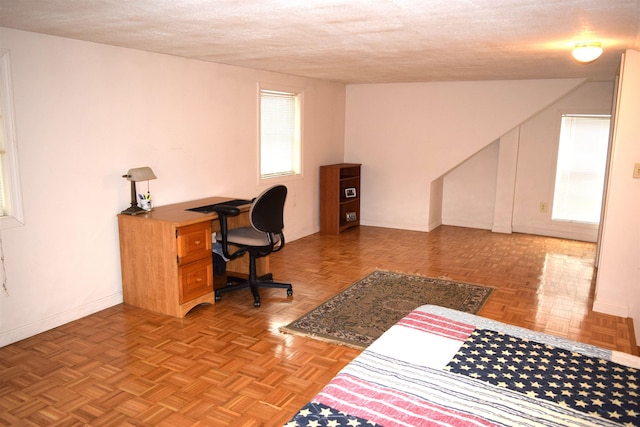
(9, 222)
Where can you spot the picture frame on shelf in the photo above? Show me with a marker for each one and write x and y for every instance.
(350, 192)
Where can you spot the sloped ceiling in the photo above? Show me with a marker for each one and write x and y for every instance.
(355, 41)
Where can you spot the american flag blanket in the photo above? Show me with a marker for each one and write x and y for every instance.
(441, 367)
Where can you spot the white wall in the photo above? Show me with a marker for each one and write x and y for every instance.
(409, 135)
(470, 189)
(537, 159)
(86, 113)
(506, 181)
(618, 281)
(469, 195)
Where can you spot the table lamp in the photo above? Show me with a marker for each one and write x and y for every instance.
(136, 175)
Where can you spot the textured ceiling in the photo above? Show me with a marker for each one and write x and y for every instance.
(354, 41)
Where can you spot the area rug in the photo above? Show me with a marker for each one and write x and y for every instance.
(362, 312)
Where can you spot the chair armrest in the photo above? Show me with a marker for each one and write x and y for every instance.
(280, 244)
(226, 210)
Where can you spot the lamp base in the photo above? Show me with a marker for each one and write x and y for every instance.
(134, 210)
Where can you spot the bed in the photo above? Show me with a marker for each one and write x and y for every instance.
(443, 367)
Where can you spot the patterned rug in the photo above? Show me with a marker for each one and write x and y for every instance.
(362, 312)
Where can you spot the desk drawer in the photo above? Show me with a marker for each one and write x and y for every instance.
(194, 242)
(196, 279)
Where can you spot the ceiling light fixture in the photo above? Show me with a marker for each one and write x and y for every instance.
(587, 51)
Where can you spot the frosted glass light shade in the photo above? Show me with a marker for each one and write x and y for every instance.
(587, 52)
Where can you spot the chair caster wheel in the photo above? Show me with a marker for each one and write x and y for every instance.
(289, 292)
(217, 297)
(256, 304)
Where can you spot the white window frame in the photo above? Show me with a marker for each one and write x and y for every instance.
(298, 139)
(13, 215)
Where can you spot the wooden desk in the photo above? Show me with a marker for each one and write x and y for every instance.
(166, 259)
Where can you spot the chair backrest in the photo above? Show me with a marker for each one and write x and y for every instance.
(267, 211)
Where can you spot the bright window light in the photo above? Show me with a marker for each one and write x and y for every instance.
(11, 213)
(580, 172)
(279, 133)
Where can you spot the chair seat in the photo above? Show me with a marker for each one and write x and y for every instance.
(248, 236)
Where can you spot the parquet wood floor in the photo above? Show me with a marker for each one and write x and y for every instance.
(227, 364)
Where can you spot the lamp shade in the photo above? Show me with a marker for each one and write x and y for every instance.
(587, 51)
(140, 174)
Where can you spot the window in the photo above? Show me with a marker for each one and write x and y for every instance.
(10, 197)
(280, 130)
(582, 157)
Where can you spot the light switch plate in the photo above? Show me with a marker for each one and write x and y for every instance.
(636, 170)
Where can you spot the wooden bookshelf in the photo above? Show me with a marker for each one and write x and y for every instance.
(339, 197)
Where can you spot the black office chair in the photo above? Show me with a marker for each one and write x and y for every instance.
(261, 239)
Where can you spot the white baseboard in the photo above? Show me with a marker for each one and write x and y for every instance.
(614, 310)
(394, 225)
(581, 235)
(468, 223)
(433, 225)
(506, 229)
(26, 331)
